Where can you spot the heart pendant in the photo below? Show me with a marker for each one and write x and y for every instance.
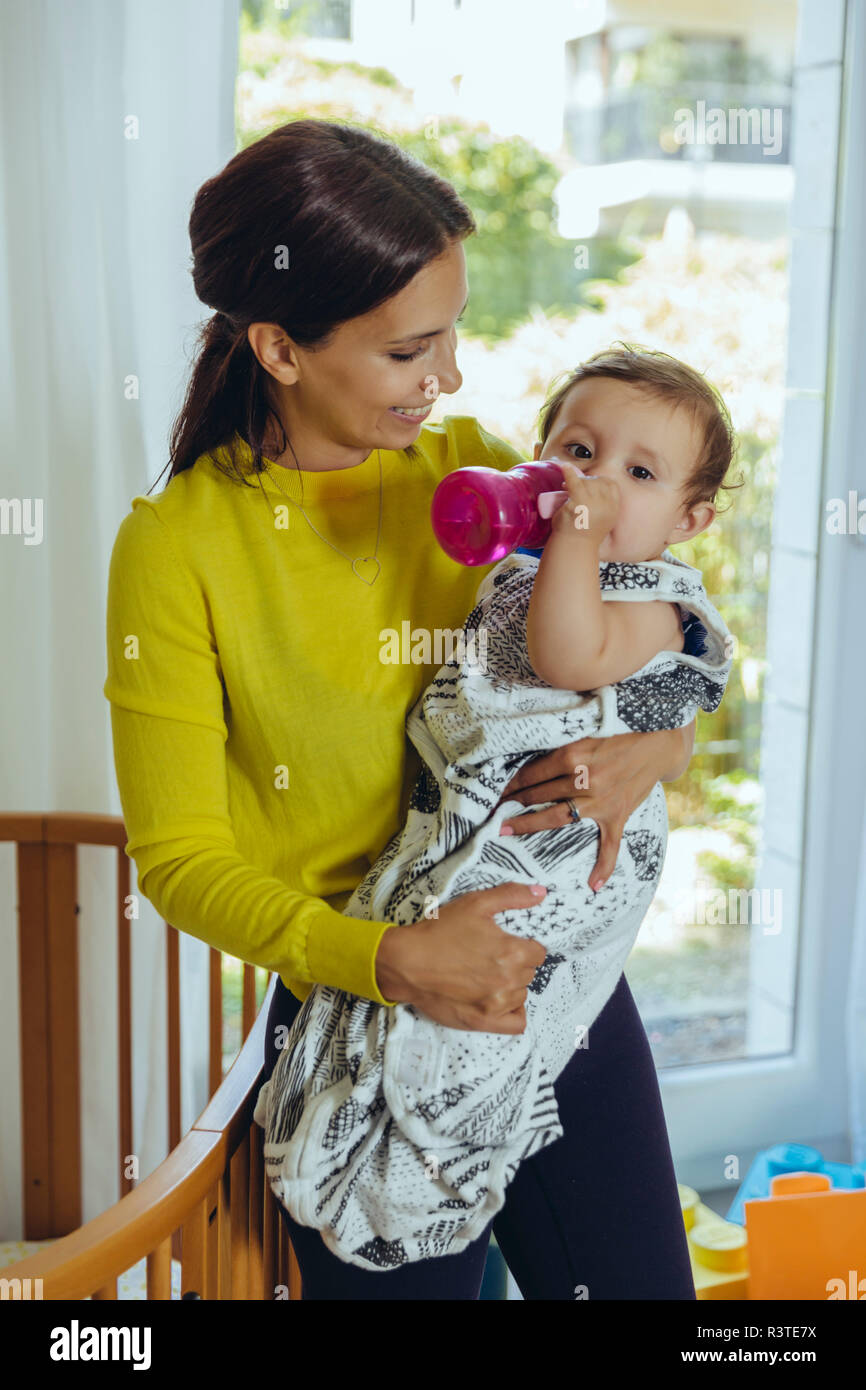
(366, 560)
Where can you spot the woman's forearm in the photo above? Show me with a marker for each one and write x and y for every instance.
(675, 752)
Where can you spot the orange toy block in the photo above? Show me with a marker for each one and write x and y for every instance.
(807, 1240)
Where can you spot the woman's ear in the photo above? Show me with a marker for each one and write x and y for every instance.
(536, 451)
(275, 351)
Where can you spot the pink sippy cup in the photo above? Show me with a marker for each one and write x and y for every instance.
(480, 515)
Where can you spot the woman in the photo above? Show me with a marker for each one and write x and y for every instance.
(259, 735)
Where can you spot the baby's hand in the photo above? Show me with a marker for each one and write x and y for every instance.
(592, 506)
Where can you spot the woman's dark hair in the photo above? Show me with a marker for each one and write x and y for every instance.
(314, 224)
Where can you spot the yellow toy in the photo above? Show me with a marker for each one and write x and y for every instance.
(717, 1250)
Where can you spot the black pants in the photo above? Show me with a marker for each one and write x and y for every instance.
(595, 1215)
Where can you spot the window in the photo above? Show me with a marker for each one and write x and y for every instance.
(597, 222)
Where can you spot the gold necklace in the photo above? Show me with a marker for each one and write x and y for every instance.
(359, 559)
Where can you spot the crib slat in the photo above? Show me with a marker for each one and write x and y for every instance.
(240, 1218)
(215, 1053)
(283, 1256)
(218, 1250)
(269, 1243)
(172, 961)
(294, 1271)
(211, 1253)
(159, 1272)
(224, 1236)
(64, 1050)
(257, 1213)
(172, 988)
(248, 1011)
(124, 1022)
(194, 1265)
(34, 1033)
(107, 1294)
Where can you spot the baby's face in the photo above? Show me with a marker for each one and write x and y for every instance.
(648, 446)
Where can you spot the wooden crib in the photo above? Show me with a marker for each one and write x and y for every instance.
(207, 1204)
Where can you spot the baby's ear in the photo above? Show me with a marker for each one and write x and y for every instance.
(536, 451)
(697, 519)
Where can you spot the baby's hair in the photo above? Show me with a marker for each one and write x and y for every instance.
(666, 377)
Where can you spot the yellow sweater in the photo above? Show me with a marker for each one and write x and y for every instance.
(259, 739)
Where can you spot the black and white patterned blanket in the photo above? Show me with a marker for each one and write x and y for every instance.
(396, 1136)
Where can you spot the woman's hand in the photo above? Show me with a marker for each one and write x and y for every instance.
(607, 777)
(460, 967)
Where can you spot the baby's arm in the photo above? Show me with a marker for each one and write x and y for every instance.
(575, 640)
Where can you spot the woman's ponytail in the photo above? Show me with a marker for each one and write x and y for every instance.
(224, 371)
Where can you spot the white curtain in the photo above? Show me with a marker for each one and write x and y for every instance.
(112, 113)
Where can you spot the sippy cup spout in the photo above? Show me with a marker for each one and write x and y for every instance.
(550, 502)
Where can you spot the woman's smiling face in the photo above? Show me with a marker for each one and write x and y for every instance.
(341, 401)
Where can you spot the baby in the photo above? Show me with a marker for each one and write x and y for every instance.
(393, 1135)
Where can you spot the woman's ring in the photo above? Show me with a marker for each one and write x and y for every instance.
(572, 805)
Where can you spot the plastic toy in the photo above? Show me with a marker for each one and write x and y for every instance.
(480, 515)
(717, 1250)
(791, 1158)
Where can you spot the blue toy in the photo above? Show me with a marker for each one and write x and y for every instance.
(791, 1158)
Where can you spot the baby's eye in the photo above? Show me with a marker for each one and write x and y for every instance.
(637, 468)
(587, 452)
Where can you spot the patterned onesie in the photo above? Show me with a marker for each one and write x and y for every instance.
(392, 1134)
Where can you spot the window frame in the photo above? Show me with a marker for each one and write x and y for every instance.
(717, 1112)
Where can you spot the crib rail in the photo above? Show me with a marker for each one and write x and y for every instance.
(234, 1244)
(49, 1010)
(181, 1205)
